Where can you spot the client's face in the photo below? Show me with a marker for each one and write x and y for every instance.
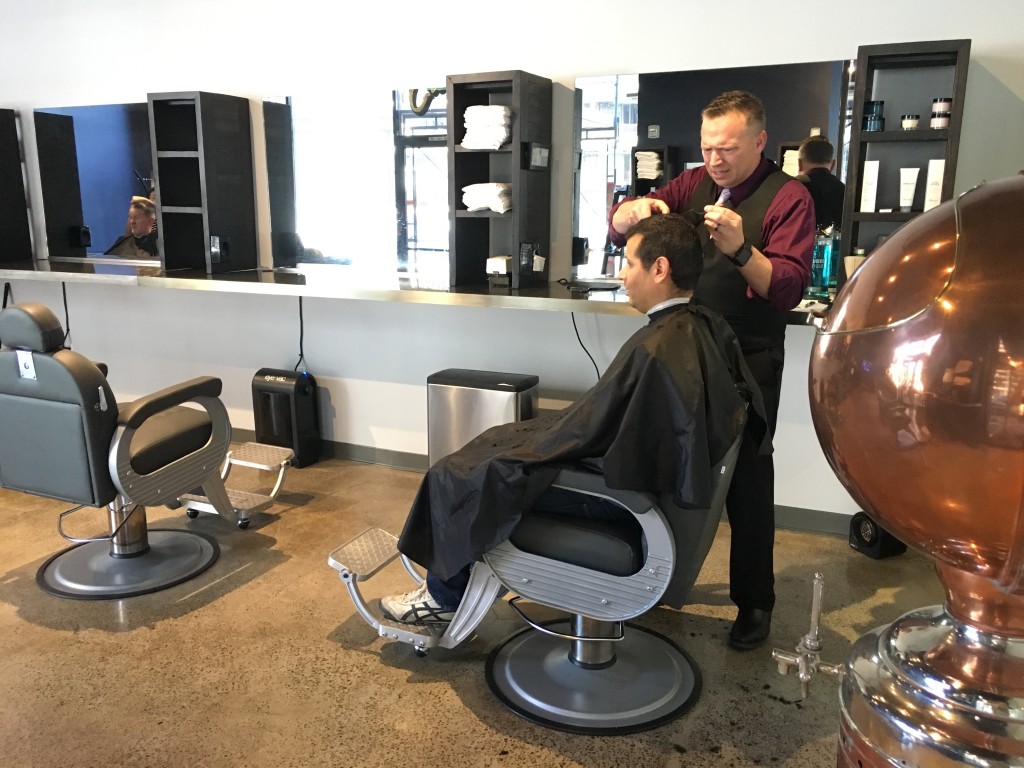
(636, 279)
(140, 222)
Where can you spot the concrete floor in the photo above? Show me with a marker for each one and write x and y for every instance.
(262, 661)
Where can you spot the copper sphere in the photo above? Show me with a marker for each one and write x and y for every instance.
(917, 395)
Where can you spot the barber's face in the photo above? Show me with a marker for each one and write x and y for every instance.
(731, 149)
(636, 279)
(140, 222)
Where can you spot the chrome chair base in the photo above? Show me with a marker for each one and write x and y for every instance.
(650, 682)
(89, 572)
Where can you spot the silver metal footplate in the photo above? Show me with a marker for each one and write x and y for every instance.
(252, 455)
(366, 554)
(260, 456)
(422, 636)
(244, 503)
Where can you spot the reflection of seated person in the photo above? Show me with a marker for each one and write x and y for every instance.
(664, 412)
(817, 162)
(140, 238)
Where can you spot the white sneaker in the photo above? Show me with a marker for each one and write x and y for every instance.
(416, 607)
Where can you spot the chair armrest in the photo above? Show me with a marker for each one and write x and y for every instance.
(137, 411)
(168, 482)
(581, 590)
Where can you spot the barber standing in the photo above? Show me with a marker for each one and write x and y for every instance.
(758, 237)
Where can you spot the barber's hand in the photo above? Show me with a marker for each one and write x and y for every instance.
(726, 228)
(629, 213)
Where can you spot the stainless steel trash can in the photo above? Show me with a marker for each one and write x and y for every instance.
(462, 403)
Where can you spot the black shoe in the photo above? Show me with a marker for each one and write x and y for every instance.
(750, 629)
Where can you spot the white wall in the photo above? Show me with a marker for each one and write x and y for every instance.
(56, 52)
(372, 357)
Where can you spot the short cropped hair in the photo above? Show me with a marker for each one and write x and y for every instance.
(674, 237)
(817, 150)
(144, 204)
(738, 101)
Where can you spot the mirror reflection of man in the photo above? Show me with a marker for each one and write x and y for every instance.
(817, 164)
(140, 238)
(758, 237)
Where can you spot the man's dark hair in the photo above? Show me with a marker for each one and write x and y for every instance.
(738, 101)
(674, 237)
(817, 150)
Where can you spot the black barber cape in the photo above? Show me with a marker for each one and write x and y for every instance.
(663, 414)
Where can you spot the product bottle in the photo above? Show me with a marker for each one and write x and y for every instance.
(821, 261)
(833, 268)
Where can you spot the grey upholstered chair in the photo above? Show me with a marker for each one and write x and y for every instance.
(65, 437)
(592, 672)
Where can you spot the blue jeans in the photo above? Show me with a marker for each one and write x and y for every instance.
(448, 592)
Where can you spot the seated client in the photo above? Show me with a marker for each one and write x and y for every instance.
(664, 412)
(140, 238)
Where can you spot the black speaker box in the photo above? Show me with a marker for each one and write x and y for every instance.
(869, 538)
(580, 249)
(287, 412)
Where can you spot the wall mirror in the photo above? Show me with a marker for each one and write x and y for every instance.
(92, 160)
(402, 143)
(660, 112)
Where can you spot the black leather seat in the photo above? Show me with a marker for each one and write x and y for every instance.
(66, 438)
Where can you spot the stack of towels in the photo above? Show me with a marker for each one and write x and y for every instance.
(489, 196)
(487, 127)
(648, 165)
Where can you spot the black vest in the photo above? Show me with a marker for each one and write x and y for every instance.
(757, 324)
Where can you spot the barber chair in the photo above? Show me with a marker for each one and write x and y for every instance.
(66, 438)
(592, 672)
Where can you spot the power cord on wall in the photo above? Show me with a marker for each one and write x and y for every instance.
(8, 296)
(302, 333)
(67, 318)
(596, 370)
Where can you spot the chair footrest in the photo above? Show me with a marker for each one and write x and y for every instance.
(366, 554)
(243, 502)
(421, 635)
(260, 456)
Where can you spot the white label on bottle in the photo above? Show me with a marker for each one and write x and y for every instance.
(869, 190)
(933, 186)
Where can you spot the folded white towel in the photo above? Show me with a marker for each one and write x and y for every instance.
(487, 126)
(492, 196)
(648, 165)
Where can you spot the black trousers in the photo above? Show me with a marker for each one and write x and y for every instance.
(750, 504)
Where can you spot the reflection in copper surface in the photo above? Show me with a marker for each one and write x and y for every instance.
(917, 391)
(917, 396)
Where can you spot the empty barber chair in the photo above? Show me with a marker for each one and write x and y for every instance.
(591, 673)
(64, 437)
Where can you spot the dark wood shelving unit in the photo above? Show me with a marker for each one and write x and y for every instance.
(202, 160)
(906, 76)
(669, 168)
(15, 234)
(497, 151)
(482, 214)
(475, 236)
(917, 134)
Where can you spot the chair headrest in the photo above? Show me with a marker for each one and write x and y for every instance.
(30, 326)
